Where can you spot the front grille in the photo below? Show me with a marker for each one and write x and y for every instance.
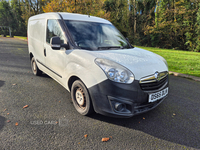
(149, 85)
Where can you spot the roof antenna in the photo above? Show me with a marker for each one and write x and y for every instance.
(87, 10)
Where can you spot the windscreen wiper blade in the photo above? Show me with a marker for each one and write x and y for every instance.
(110, 47)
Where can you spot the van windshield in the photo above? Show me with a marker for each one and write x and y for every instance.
(96, 36)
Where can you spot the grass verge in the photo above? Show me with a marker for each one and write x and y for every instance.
(21, 37)
(179, 61)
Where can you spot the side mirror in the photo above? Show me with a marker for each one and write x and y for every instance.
(55, 43)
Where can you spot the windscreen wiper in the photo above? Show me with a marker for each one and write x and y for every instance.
(110, 47)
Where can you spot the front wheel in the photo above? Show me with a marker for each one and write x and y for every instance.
(81, 98)
(34, 67)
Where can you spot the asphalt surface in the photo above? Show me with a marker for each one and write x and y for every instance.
(51, 122)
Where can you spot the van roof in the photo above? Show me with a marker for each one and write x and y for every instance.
(69, 16)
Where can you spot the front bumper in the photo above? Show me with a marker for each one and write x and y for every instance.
(135, 100)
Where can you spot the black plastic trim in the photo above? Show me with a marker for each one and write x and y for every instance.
(49, 68)
(131, 95)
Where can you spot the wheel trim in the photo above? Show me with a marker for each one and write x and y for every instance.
(80, 98)
(34, 67)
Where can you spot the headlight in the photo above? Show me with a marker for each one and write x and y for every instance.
(115, 71)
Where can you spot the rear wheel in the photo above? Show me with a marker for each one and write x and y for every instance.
(81, 98)
(35, 69)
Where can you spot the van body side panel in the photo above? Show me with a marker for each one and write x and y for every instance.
(56, 62)
(69, 63)
(36, 33)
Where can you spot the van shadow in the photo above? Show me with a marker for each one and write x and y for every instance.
(2, 122)
(158, 125)
(1, 83)
(2, 119)
(175, 120)
(44, 75)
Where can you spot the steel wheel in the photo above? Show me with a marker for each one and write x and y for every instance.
(35, 69)
(81, 98)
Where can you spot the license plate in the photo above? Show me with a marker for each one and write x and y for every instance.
(158, 95)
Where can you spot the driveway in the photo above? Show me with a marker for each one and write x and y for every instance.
(51, 122)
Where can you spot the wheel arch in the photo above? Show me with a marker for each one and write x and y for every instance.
(89, 74)
(71, 81)
(31, 56)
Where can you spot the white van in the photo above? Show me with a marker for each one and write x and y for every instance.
(91, 59)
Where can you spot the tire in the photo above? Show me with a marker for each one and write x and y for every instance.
(34, 67)
(81, 98)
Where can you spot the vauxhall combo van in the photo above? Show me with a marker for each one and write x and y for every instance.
(90, 58)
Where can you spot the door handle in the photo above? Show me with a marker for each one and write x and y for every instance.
(45, 52)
